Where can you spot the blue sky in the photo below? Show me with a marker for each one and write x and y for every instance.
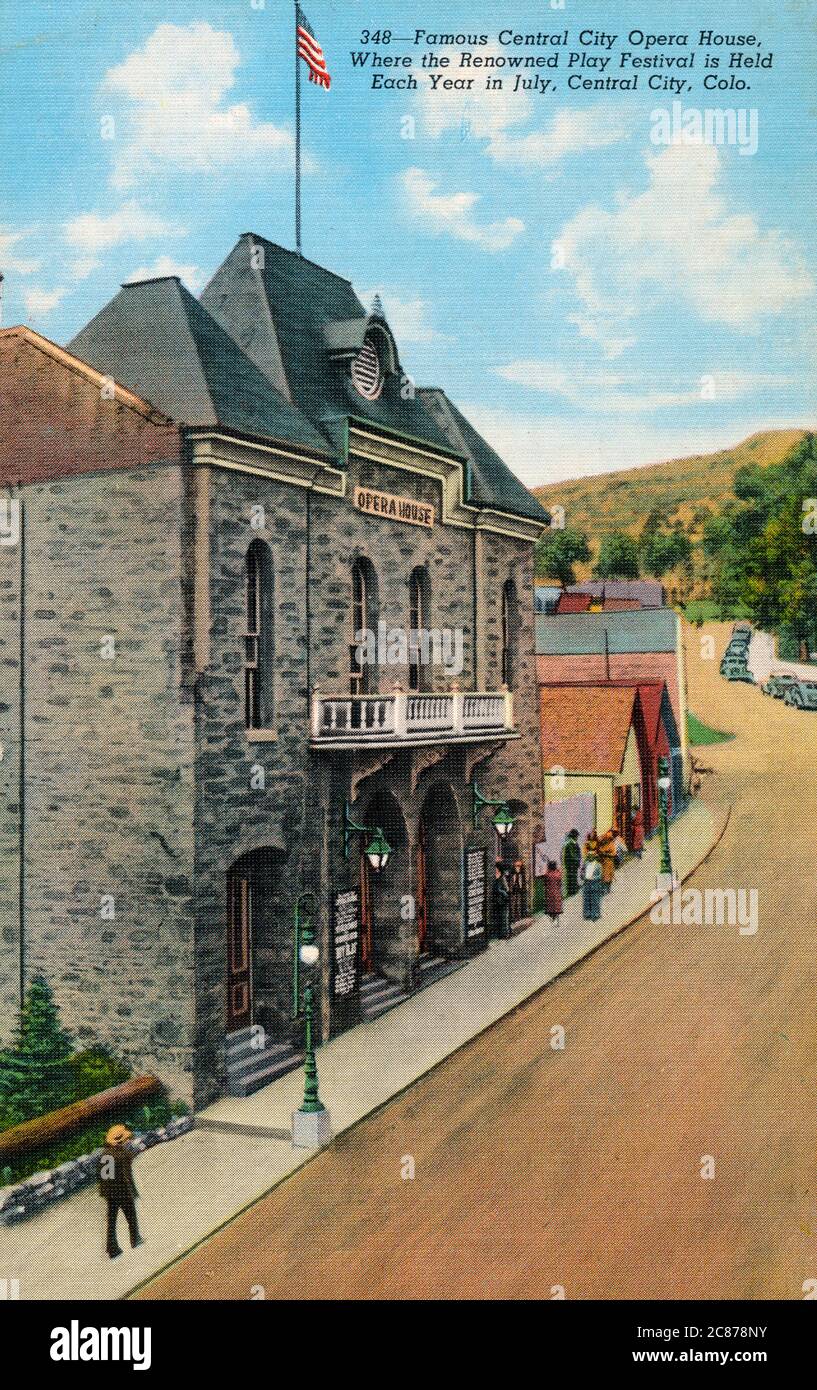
(679, 316)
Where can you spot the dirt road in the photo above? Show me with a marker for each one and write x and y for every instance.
(581, 1168)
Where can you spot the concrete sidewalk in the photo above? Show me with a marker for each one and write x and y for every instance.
(196, 1183)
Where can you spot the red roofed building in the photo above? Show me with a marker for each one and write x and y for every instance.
(573, 603)
(591, 743)
(586, 730)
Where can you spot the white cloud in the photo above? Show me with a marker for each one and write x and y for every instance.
(452, 213)
(10, 262)
(545, 448)
(479, 115)
(571, 132)
(175, 86)
(677, 243)
(484, 115)
(625, 394)
(408, 318)
(90, 232)
(192, 275)
(39, 302)
(83, 266)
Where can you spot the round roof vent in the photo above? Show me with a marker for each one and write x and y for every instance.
(367, 370)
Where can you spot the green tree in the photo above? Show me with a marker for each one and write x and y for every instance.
(558, 551)
(665, 551)
(33, 1075)
(618, 557)
(763, 548)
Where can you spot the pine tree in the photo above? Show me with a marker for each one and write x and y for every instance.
(32, 1081)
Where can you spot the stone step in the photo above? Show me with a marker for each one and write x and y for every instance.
(244, 1083)
(377, 995)
(237, 1052)
(253, 1061)
(376, 985)
(435, 967)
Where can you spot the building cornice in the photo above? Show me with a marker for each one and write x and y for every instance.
(216, 448)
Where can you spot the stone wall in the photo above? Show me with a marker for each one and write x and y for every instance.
(267, 790)
(107, 809)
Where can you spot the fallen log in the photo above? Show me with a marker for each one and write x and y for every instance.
(57, 1124)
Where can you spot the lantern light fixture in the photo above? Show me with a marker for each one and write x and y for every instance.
(378, 850)
(503, 821)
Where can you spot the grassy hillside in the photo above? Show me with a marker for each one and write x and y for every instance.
(681, 490)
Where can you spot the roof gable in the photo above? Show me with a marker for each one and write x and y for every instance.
(492, 482)
(296, 320)
(156, 338)
(584, 728)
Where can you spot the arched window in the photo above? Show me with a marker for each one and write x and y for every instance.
(258, 638)
(419, 617)
(363, 646)
(510, 631)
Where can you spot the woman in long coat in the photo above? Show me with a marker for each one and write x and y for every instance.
(553, 891)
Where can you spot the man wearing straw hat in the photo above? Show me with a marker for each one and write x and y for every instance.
(117, 1186)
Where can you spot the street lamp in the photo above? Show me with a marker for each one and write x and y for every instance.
(378, 849)
(665, 874)
(304, 936)
(502, 821)
(311, 1124)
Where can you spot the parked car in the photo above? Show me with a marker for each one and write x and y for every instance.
(740, 641)
(778, 683)
(734, 668)
(802, 695)
(742, 626)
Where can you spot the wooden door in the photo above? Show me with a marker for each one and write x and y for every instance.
(239, 952)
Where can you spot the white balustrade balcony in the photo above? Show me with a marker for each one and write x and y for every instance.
(406, 717)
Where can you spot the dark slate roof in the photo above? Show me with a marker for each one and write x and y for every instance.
(492, 484)
(155, 338)
(295, 320)
(582, 634)
(300, 324)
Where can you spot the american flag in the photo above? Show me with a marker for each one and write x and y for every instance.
(310, 50)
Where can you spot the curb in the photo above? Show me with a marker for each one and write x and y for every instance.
(381, 1105)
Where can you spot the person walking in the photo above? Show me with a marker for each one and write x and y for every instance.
(519, 891)
(607, 855)
(553, 891)
(117, 1186)
(591, 889)
(571, 863)
(502, 901)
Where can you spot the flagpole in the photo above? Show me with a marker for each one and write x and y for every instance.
(297, 140)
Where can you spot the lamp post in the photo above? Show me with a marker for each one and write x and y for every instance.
(305, 907)
(311, 1124)
(666, 880)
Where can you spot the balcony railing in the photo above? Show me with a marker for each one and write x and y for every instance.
(405, 717)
